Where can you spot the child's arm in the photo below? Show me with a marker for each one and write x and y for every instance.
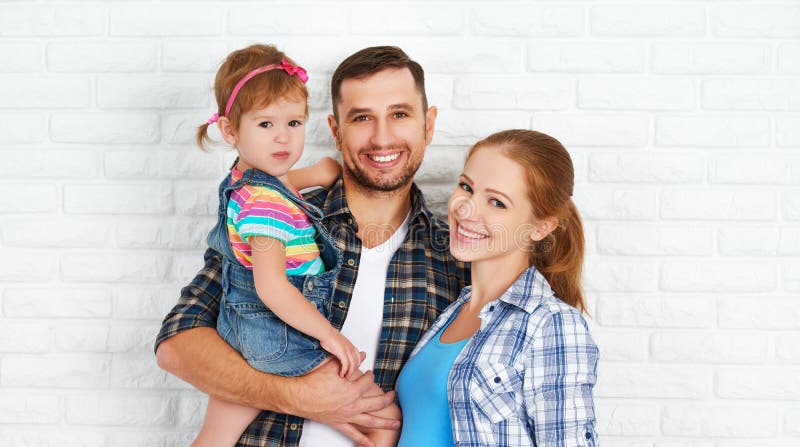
(275, 290)
(322, 173)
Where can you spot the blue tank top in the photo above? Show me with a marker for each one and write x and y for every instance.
(422, 390)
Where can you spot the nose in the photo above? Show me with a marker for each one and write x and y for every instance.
(281, 135)
(465, 208)
(382, 135)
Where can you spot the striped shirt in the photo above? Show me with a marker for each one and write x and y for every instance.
(255, 210)
(422, 279)
(525, 378)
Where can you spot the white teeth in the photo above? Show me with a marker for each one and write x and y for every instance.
(470, 234)
(384, 158)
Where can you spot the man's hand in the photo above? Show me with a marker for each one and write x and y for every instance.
(323, 396)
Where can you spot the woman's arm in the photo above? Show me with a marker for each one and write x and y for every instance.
(560, 373)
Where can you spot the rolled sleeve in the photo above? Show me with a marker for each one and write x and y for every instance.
(198, 305)
(561, 373)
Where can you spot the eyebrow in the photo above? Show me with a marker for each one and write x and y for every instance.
(360, 110)
(272, 117)
(401, 106)
(357, 111)
(493, 191)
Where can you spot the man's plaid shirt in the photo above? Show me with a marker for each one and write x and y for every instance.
(422, 280)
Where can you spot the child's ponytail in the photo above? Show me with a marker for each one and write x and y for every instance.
(203, 140)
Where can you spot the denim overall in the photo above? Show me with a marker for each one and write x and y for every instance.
(264, 340)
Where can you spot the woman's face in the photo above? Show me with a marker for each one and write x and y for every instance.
(489, 212)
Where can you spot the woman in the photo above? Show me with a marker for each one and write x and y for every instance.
(511, 362)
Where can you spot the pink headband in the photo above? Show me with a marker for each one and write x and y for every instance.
(297, 70)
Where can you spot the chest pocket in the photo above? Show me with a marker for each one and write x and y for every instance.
(494, 390)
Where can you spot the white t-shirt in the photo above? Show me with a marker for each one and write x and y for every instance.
(362, 325)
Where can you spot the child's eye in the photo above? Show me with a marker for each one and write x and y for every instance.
(496, 203)
(295, 123)
(265, 124)
(465, 187)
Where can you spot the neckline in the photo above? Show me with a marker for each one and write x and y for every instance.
(438, 337)
(392, 242)
(237, 174)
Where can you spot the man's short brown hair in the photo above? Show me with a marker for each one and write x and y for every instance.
(369, 61)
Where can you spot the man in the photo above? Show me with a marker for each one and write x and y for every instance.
(398, 274)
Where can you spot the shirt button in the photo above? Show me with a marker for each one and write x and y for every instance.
(342, 304)
(491, 308)
(588, 435)
(293, 427)
(351, 263)
(350, 221)
(497, 380)
(310, 287)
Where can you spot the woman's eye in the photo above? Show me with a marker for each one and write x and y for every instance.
(265, 124)
(295, 123)
(465, 187)
(496, 203)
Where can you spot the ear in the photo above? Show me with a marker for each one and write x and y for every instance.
(334, 131)
(227, 131)
(430, 123)
(543, 227)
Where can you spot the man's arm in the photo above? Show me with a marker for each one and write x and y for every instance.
(189, 347)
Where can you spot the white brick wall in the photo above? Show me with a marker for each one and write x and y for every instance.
(683, 118)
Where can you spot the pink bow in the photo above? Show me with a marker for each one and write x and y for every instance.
(214, 118)
(295, 70)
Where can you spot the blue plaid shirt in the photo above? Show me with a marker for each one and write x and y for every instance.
(525, 377)
(422, 279)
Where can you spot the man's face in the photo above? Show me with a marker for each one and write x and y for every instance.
(382, 130)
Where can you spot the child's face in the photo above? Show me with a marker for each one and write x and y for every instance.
(272, 139)
(490, 214)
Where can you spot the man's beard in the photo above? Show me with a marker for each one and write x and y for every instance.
(382, 184)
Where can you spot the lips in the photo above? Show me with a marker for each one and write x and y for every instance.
(465, 234)
(383, 159)
(282, 155)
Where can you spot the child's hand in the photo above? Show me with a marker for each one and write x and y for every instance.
(327, 170)
(341, 348)
(322, 173)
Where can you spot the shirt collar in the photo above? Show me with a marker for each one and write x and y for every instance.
(336, 204)
(526, 293)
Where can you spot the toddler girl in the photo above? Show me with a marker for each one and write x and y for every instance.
(269, 237)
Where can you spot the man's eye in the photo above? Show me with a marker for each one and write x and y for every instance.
(295, 123)
(496, 203)
(400, 114)
(265, 124)
(361, 118)
(465, 187)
